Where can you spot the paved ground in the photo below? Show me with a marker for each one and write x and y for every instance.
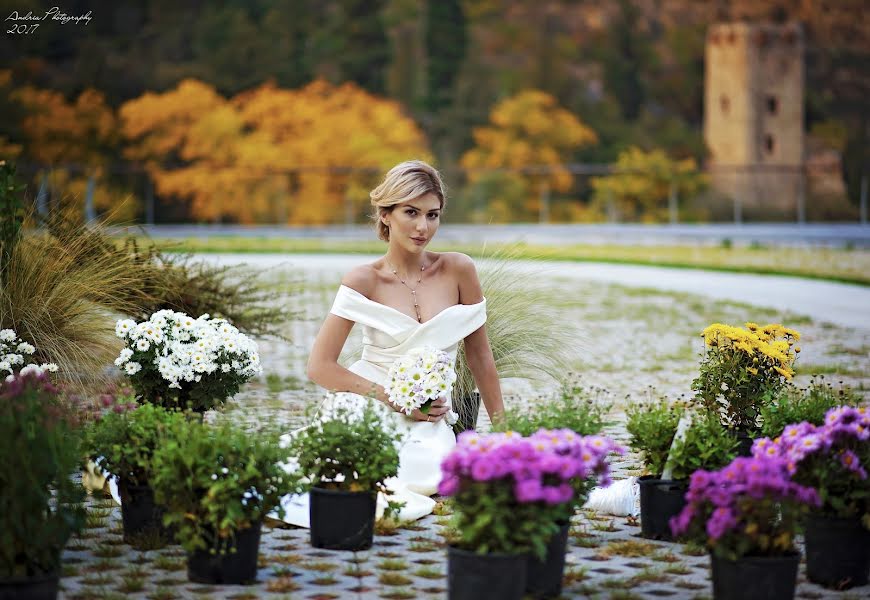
(606, 558)
(632, 339)
(824, 301)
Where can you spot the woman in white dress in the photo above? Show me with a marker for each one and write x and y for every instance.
(408, 298)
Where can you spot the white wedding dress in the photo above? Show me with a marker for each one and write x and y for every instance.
(388, 334)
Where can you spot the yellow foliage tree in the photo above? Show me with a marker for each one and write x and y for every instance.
(82, 137)
(533, 137)
(641, 184)
(269, 153)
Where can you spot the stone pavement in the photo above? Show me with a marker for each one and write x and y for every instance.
(606, 558)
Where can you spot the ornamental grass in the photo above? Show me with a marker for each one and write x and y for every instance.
(528, 340)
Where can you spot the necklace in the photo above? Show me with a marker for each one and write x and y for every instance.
(413, 289)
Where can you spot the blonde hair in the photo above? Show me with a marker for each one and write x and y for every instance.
(406, 181)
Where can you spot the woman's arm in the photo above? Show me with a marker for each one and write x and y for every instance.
(323, 367)
(478, 351)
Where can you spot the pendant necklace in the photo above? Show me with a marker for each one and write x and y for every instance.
(413, 290)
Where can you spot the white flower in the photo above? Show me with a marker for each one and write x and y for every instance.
(143, 344)
(7, 335)
(25, 348)
(225, 470)
(123, 327)
(5, 366)
(50, 367)
(132, 368)
(31, 368)
(123, 357)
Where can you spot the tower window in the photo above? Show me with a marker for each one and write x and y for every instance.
(772, 105)
(769, 144)
(724, 103)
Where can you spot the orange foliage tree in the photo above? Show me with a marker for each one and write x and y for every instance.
(303, 156)
(531, 137)
(82, 135)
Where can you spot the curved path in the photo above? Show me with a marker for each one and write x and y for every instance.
(823, 301)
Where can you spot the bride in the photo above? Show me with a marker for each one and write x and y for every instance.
(408, 298)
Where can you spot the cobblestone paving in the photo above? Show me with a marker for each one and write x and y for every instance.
(628, 340)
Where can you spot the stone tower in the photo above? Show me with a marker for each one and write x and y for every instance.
(754, 116)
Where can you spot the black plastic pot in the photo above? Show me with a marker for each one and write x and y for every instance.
(755, 577)
(473, 576)
(838, 552)
(660, 500)
(37, 587)
(544, 578)
(468, 409)
(342, 520)
(140, 515)
(744, 443)
(234, 562)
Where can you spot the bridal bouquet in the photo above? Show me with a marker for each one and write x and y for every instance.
(175, 360)
(420, 377)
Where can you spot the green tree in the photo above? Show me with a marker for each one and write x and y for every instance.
(446, 43)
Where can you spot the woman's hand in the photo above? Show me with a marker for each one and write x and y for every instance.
(437, 410)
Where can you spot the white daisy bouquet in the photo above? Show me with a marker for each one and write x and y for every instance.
(13, 351)
(175, 360)
(420, 377)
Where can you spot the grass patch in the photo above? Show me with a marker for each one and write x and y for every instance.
(281, 585)
(392, 565)
(629, 549)
(429, 573)
(167, 563)
(394, 579)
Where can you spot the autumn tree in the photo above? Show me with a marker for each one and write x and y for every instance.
(531, 137)
(305, 156)
(77, 140)
(642, 183)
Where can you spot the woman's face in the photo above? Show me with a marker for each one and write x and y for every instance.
(414, 223)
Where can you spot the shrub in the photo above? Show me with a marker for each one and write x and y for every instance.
(575, 407)
(809, 405)
(652, 426)
(217, 480)
(348, 449)
(40, 507)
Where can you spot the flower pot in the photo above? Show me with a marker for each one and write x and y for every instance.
(140, 515)
(660, 500)
(544, 578)
(472, 576)
(755, 577)
(342, 520)
(468, 409)
(744, 443)
(838, 551)
(36, 587)
(237, 564)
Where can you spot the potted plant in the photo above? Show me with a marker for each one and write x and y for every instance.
(580, 411)
(574, 407)
(671, 458)
(741, 370)
(176, 361)
(796, 405)
(344, 457)
(41, 506)
(747, 514)
(217, 483)
(833, 458)
(121, 443)
(528, 339)
(510, 491)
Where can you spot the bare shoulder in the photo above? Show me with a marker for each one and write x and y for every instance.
(459, 262)
(465, 273)
(362, 279)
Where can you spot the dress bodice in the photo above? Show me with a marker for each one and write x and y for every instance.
(388, 333)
